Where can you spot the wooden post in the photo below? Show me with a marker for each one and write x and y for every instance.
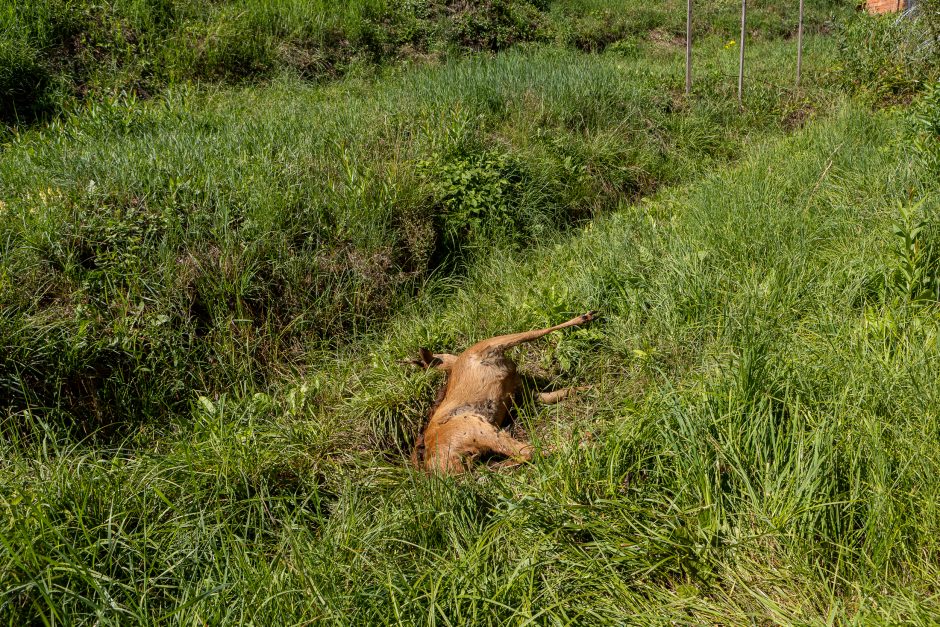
(741, 60)
(688, 47)
(799, 47)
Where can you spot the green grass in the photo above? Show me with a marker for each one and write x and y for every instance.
(56, 53)
(890, 60)
(764, 428)
(206, 290)
(208, 239)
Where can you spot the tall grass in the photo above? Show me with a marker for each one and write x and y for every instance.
(59, 52)
(891, 58)
(205, 294)
(206, 240)
(763, 439)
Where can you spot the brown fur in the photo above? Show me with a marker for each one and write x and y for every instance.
(466, 421)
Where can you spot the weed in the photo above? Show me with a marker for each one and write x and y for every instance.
(916, 276)
(925, 129)
(477, 194)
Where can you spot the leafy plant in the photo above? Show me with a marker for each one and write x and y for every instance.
(477, 193)
(916, 275)
(925, 127)
(497, 24)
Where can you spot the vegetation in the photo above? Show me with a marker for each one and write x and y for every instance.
(764, 422)
(205, 240)
(55, 52)
(206, 290)
(891, 59)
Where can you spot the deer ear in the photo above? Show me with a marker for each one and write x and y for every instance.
(428, 358)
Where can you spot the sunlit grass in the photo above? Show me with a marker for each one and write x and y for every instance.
(209, 239)
(762, 450)
(205, 297)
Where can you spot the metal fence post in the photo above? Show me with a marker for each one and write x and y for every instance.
(799, 47)
(688, 48)
(741, 60)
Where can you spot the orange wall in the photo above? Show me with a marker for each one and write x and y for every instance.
(884, 6)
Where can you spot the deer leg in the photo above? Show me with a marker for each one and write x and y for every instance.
(556, 396)
(503, 342)
(499, 442)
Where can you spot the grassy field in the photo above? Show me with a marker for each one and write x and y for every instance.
(208, 239)
(206, 288)
(56, 53)
(764, 425)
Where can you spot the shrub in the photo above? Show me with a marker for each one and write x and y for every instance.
(496, 24)
(477, 195)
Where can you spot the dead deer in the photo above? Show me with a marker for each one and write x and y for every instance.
(465, 423)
